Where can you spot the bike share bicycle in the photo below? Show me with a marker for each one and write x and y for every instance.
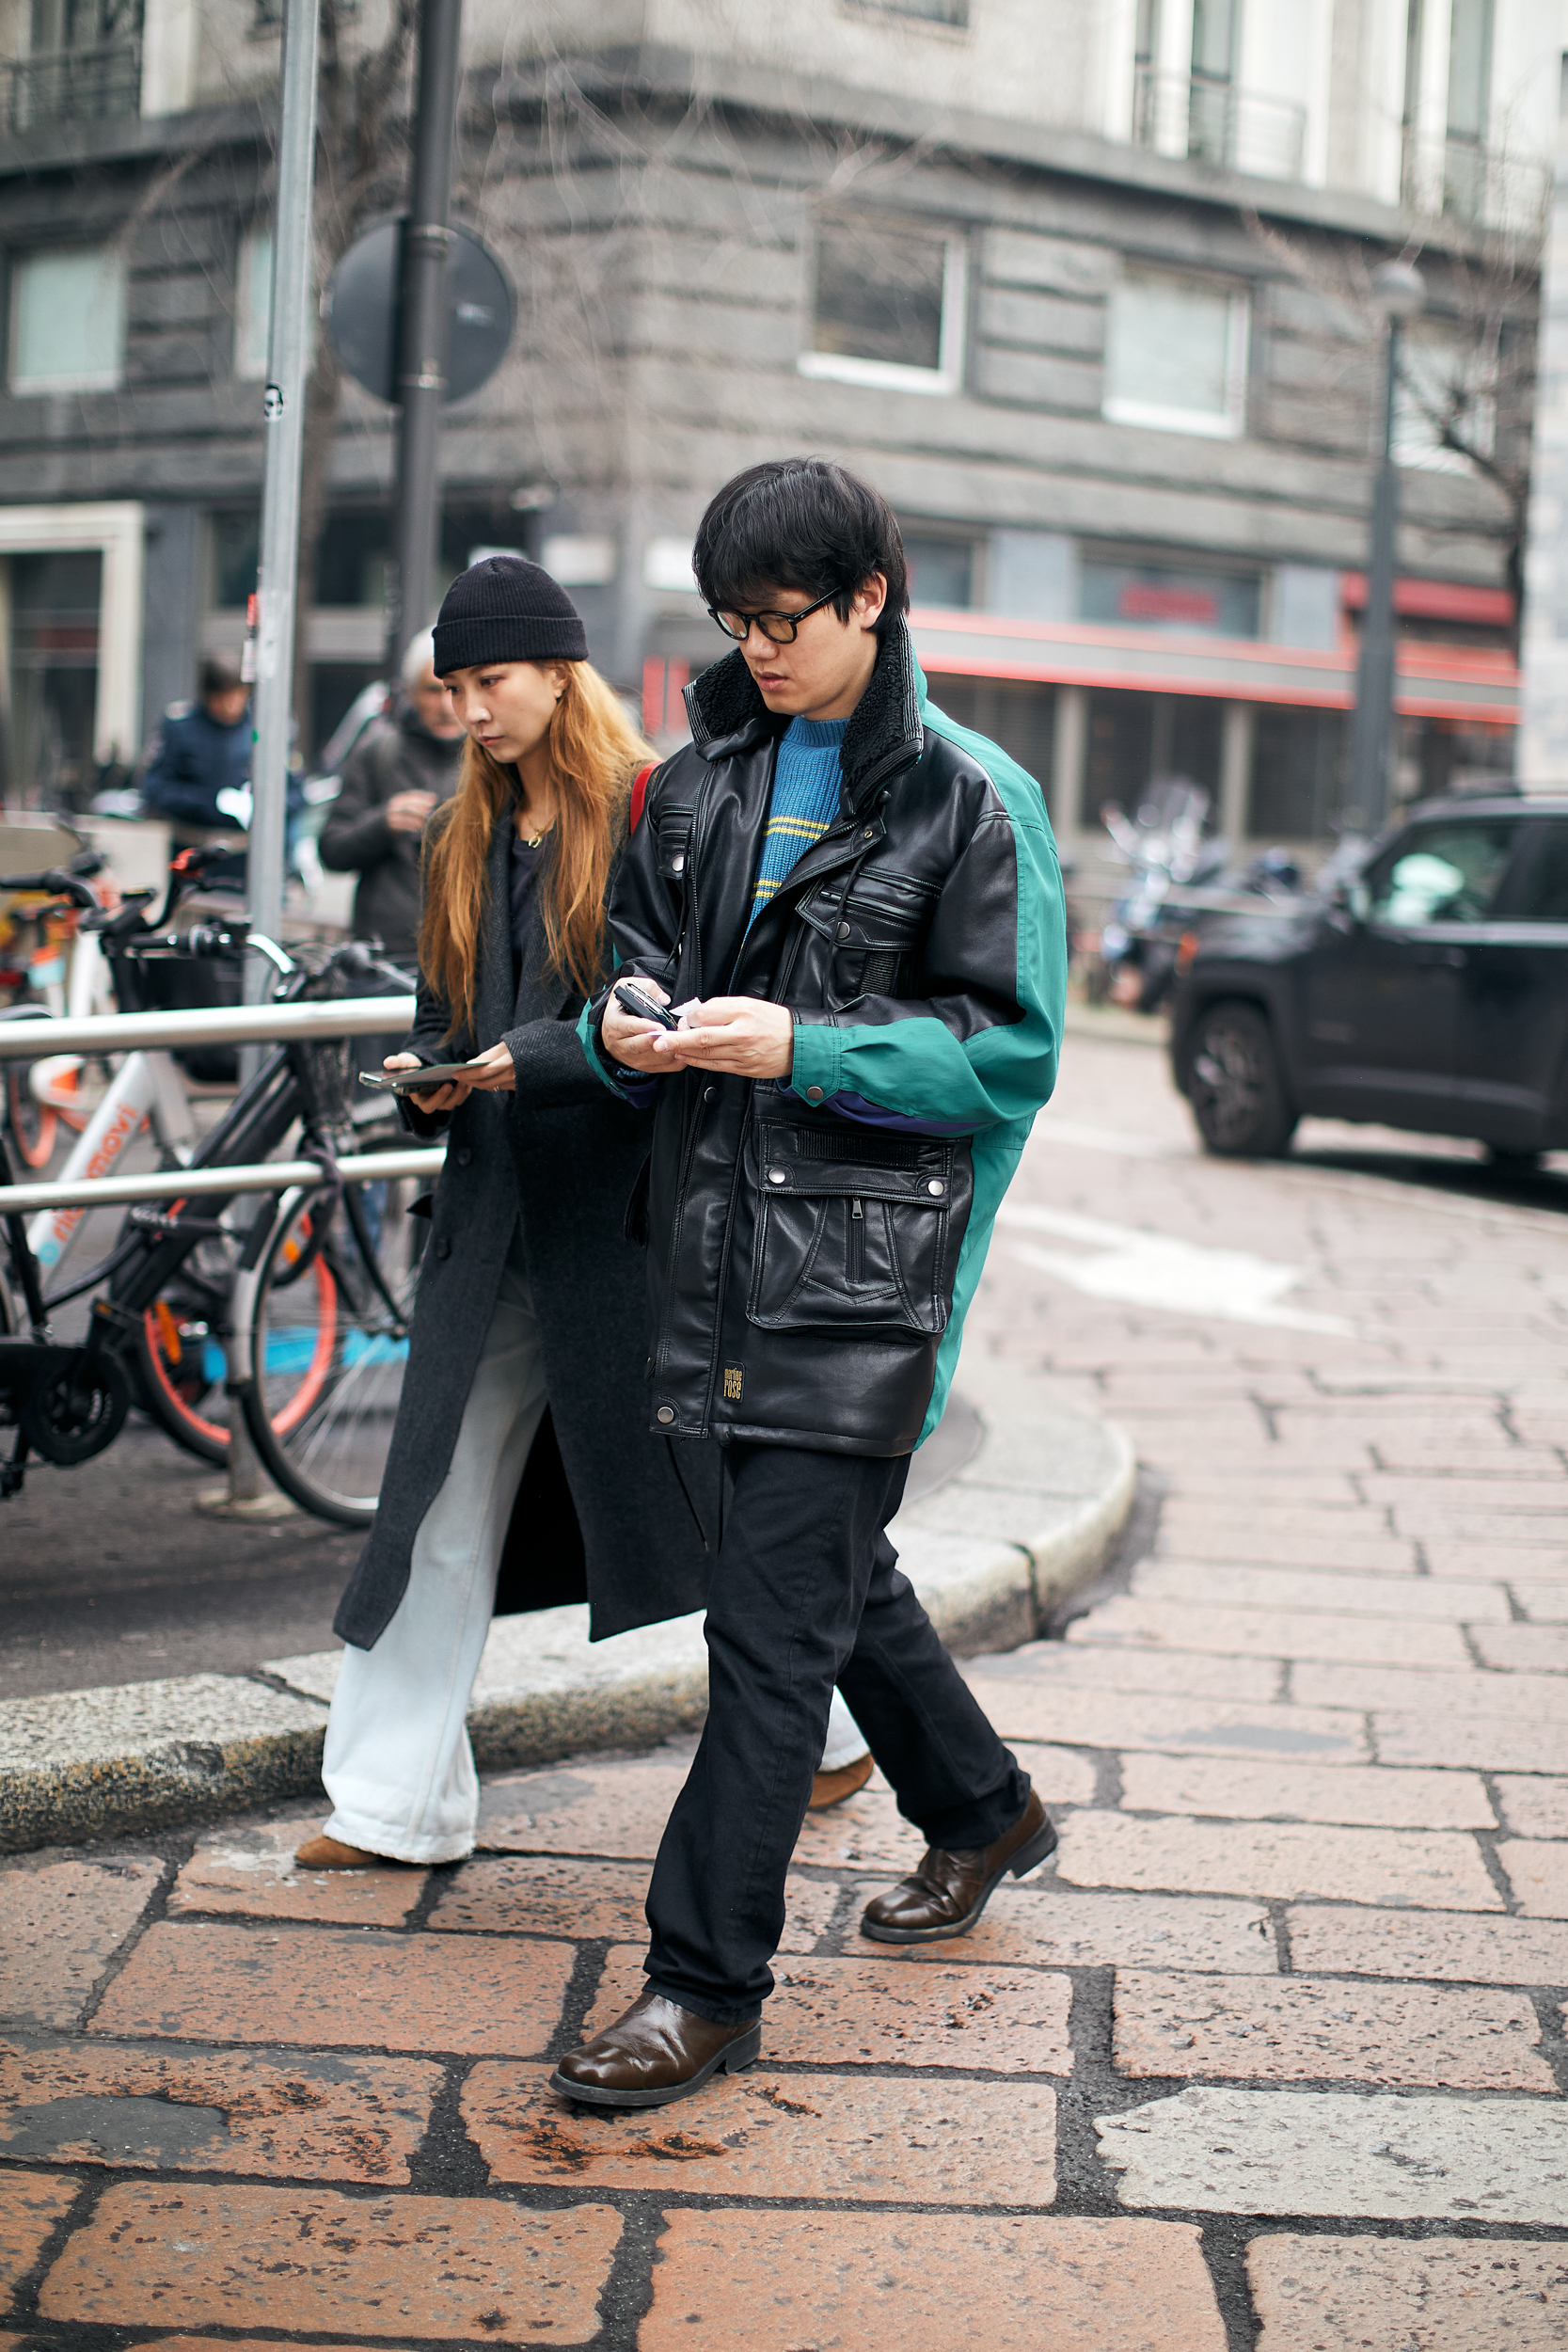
(299, 1305)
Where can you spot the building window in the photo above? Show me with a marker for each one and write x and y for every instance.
(83, 64)
(942, 571)
(1151, 596)
(1298, 773)
(253, 305)
(68, 321)
(1176, 352)
(889, 307)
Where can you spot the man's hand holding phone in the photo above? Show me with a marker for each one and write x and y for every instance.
(628, 1036)
(740, 1034)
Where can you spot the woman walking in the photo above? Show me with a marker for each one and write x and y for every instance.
(529, 1295)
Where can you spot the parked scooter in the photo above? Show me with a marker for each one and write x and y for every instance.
(1179, 878)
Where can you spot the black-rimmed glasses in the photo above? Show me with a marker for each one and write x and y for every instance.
(780, 628)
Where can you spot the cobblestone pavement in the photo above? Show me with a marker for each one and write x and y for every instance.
(1273, 2058)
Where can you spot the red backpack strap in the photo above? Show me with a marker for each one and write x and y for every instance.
(640, 794)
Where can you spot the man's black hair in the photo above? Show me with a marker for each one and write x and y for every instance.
(798, 522)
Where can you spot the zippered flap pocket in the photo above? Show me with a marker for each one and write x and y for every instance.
(853, 1231)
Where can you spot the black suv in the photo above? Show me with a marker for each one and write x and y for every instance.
(1432, 993)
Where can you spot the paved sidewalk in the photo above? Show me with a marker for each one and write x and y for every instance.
(1273, 2059)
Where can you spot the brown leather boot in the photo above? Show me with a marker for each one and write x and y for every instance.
(830, 1789)
(329, 1854)
(656, 2053)
(949, 1891)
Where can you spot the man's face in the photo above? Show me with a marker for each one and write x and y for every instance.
(228, 704)
(433, 706)
(831, 660)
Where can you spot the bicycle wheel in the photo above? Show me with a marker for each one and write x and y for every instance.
(33, 1126)
(180, 1354)
(329, 1343)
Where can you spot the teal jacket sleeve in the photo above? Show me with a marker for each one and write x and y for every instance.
(978, 1046)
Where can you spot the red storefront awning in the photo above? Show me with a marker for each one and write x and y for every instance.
(1465, 682)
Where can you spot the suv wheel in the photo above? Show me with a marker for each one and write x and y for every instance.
(1235, 1086)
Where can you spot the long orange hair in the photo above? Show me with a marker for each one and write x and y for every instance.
(595, 752)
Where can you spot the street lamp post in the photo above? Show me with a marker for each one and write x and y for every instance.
(1399, 292)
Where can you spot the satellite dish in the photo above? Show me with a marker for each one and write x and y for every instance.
(359, 312)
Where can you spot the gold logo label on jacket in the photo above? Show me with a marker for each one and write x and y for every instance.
(733, 1376)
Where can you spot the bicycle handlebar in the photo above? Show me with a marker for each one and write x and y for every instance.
(58, 883)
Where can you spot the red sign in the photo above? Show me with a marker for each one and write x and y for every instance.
(1141, 601)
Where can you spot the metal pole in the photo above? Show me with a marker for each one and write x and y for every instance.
(423, 330)
(1374, 680)
(283, 409)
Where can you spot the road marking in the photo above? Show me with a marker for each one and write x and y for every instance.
(1145, 1269)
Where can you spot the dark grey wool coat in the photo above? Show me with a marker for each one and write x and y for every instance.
(563, 1155)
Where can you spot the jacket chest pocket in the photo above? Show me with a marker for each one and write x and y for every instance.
(852, 1235)
(871, 935)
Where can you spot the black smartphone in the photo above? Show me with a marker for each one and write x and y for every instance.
(421, 1081)
(642, 1007)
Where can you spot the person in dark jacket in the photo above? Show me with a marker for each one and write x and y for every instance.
(856, 907)
(528, 1297)
(395, 778)
(200, 773)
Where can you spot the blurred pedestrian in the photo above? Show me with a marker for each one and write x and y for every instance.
(398, 774)
(531, 1295)
(857, 906)
(198, 776)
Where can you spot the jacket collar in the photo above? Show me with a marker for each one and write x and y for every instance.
(886, 731)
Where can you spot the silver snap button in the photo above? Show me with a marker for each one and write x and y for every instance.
(777, 1176)
(666, 1412)
(709, 1093)
(677, 866)
(844, 930)
(814, 1094)
(936, 1185)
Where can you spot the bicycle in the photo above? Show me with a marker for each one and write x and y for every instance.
(314, 1343)
(48, 967)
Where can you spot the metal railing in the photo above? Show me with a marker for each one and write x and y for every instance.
(1184, 114)
(71, 85)
(221, 1025)
(237, 1025)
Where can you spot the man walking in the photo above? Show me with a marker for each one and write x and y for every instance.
(396, 775)
(858, 906)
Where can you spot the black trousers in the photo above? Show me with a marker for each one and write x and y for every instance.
(806, 1592)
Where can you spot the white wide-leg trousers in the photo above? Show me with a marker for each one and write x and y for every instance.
(398, 1767)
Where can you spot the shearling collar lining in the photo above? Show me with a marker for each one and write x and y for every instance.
(726, 710)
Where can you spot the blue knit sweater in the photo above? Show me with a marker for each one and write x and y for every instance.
(806, 776)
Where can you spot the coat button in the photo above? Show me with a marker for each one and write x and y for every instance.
(814, 1094)
(666, 1412)
(870, 834)
(777, 1176)
(677, 866)
(443, 1248)
(844, 930)
(463, 1156)
(936, 1187)
(710, 1094)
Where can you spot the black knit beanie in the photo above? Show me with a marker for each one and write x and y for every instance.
(505, 608)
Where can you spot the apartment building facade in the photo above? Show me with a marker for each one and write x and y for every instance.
(1084, 287)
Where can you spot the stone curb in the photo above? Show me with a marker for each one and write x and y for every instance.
(999, 1545)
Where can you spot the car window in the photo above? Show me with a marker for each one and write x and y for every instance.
(1441, 873)
(1540, 892)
